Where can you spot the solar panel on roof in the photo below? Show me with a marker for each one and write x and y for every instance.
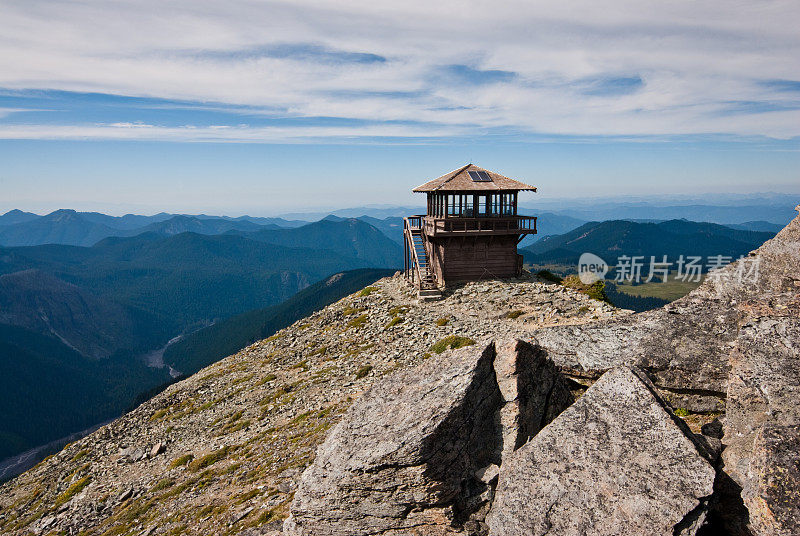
(479, 176)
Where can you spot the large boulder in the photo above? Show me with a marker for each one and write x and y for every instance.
(762, 423)
(616, 462)
(418, 453)
(685, 346)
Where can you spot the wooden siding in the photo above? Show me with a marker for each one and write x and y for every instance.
(472, 258)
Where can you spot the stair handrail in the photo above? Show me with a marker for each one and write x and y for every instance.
(410, 244)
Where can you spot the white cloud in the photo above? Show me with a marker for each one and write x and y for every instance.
(702, 64)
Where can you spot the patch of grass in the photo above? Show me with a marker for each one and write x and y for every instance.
(402, 309)
(158, 415)
(177, 490)
(452, 342)
(243, 379)
(177, 531)
(264, 517)
(235, 426)
(80, 469)
(583, 309)
(367, 291)
(681, 412)
(164, 483)
(596, 290)
(514, 314)
(357, 322)
(442, 322)
(394, 321)
(350, 310)
(363, 371)
(181, 461)
(319, 351)
(302, 417)
(80, 454)
(71, 491)
(208, 459)
(244, 497)
(266, 379)
(302, 365)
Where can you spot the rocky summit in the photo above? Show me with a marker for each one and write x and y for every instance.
(508, 407)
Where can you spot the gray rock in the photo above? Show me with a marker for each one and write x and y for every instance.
(616, 462)
(533, 390)
(761, 455)
(685, 346)
(415, 450)
(772, 494)
(157, 449)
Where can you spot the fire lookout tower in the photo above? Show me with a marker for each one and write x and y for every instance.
(470, 232)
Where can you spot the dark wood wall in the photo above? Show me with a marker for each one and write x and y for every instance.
(471, 258)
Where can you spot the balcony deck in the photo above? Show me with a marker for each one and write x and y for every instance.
(481, 226)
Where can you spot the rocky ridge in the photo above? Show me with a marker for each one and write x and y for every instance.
(619, 460)
(222, 451)
(351, 422)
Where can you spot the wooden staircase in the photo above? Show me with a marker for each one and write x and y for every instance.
(418, 267)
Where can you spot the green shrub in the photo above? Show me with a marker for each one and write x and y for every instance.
(363, 371)
(547, 275)
(596, 290)
(452, 342)
(442, 322)
(681, 412)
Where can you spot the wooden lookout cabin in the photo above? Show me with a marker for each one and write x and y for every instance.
(470, 232)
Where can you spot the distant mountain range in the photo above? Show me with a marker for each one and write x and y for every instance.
(77, 322)
(724, 209)
(611, 239)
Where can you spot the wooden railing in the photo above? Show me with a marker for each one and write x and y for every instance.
(413, 222)
(410, 258)
(497, 225)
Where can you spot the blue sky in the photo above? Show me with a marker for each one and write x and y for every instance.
(266, 107)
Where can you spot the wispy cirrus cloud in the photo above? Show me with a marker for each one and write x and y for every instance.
(287, 71)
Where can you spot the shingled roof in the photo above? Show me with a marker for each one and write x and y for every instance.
(459, 180)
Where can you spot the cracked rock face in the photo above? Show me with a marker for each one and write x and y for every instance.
(685, 346)
(762, 426)
(615, 462)
(418, 454)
